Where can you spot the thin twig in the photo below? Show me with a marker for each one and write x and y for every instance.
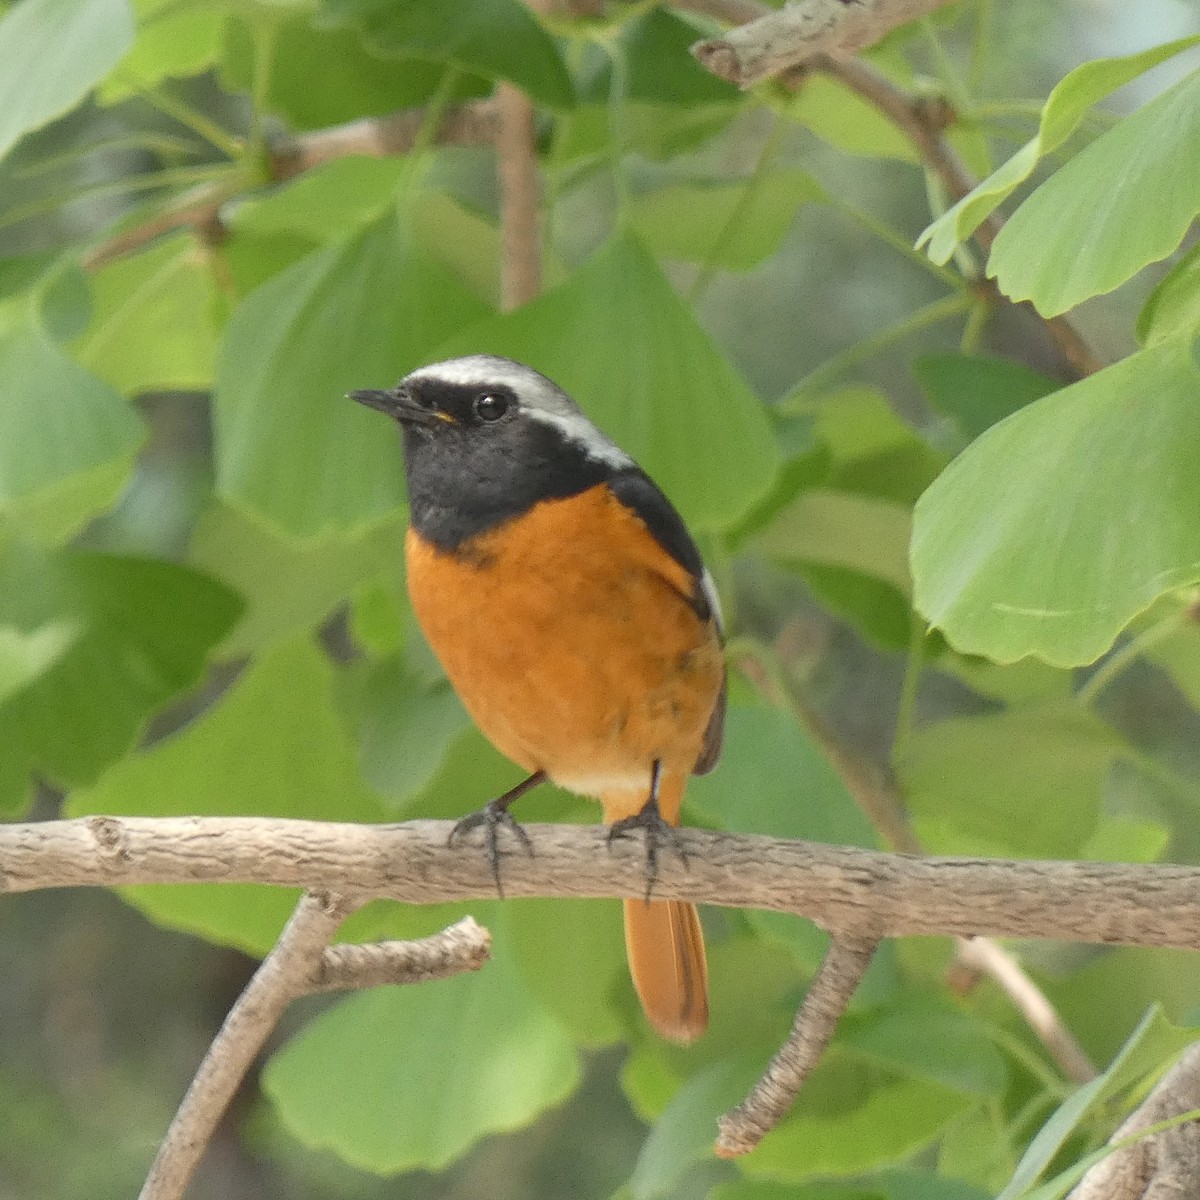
(846, 962)
(875, 791)
(520, 216)
(199, 210)
(792, 36)
(469, 124)
(463, 946)
(920, 119)
(843, 889)
(281, 976)
(923, 122)
(991, 959)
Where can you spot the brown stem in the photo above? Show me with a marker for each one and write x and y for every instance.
(845, 963)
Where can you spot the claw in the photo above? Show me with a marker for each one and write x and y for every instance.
(655, 829)
(492, 816)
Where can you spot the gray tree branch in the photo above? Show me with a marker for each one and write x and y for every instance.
(1163, 1166)
(844, 965)
(280, 978)
(301, 962)
(843, 889)
(782, 39)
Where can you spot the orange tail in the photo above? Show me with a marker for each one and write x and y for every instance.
(663, 938)
(666, 959)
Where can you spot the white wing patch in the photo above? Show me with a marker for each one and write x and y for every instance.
(708, 590)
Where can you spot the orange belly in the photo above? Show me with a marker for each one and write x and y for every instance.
(570, 638)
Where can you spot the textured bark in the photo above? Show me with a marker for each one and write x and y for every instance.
(845, 890)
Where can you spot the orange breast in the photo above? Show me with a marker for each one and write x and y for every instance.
(569, 636)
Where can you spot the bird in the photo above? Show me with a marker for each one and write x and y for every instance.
(570, 609)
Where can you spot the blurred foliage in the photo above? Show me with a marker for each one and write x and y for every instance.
(972, 567)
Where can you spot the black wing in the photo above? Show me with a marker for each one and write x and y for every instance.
(637, 491)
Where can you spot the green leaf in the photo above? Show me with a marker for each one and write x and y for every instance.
(26, 655)
(753, 789)
(287, 586)
(494, 38)
(1173, 309)
(335, 198)
(52, 53)
(154, 322)
(846, 121)
(1027, 782)
(877, 609)
(67, 440)
(911, 1185)
(1153, 1044)
(872, 451)
(404, 1078)
(468, 243)
(173, 41)
(669, 398)
(887, 1185)
(289, 445)
(324, 76)
(1178, 653)
(925, 1038)
(1018, 547)
(117, 637)
(757, 1189)
(405, 726)
(657, 68)
(1065, 108)
(1126, 840)
(685, 1132)
(572, 959)
(853, 1117)
(975, 391)
(842, 529)
(1125, 201)
(729, 224)
(273, 746)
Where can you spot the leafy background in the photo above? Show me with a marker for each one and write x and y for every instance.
(202, 605)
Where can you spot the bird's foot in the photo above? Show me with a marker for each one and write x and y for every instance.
(657, 833)
(493, 817)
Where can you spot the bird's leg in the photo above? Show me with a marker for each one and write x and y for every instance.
(656, 830)
(492, 816)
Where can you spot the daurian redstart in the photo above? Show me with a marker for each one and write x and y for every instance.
(569, 607)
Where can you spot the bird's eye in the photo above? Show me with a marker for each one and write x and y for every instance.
(490, 407)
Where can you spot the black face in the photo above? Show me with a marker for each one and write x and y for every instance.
(475, 458)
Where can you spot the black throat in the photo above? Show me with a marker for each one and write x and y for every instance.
(460, 485)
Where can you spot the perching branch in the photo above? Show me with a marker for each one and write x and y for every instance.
(301, 962)
(794, 35)
(846, 962)
(1163, 1166)
(843, 889)
(859, 896)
